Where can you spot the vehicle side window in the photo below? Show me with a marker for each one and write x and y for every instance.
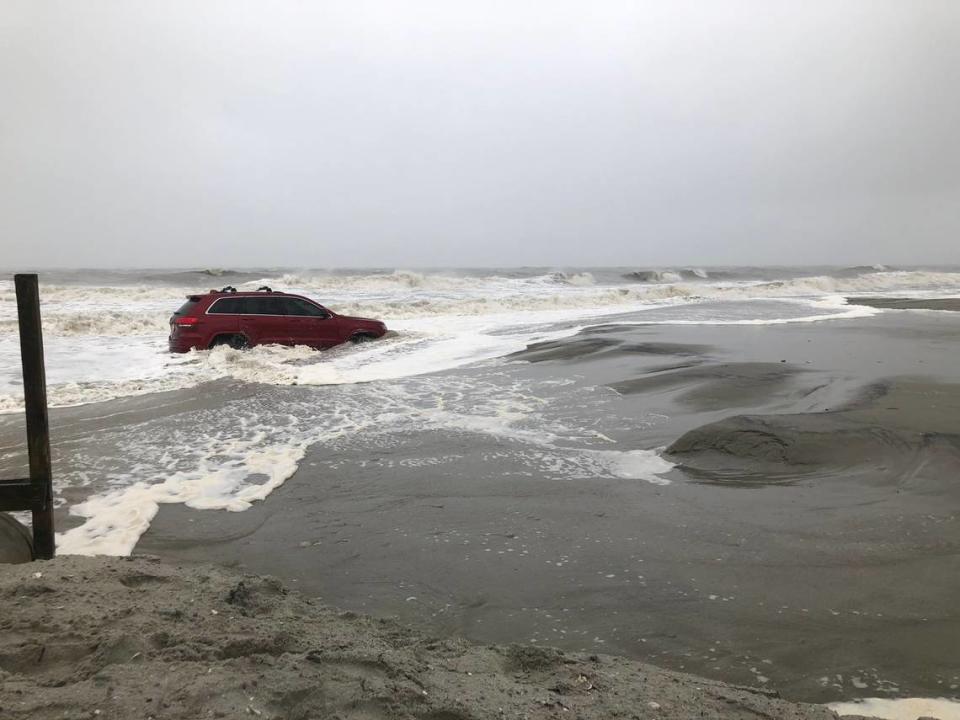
(262, 306)
(296, 306)
(275, 306)
(246, 306)
(226, 306)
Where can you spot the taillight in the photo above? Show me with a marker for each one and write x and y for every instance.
(186, 321)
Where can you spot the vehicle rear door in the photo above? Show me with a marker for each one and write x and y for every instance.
(264, 320)
(311, 324)
(223, 316)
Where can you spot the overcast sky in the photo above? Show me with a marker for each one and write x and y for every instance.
(485, 133)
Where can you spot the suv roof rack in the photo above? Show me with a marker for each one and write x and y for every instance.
(232, 289)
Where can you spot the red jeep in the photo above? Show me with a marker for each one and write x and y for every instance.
(244, 319)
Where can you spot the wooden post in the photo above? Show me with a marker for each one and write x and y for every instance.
(35, 403)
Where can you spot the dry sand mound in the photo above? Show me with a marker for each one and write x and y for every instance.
(786, 446)
(121, 638)
(16, 542)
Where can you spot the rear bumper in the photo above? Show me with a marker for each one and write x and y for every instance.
(184, 344)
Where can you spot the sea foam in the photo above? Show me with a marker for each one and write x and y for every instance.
(900, 708)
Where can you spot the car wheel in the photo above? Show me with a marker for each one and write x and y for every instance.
(237, 342)
(361, 338)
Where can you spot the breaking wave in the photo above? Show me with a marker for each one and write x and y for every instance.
(666, 276)
(877, 281)
(864, 270)
(580, 279)
(94, 322)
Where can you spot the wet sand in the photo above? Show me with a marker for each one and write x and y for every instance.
(826, 569)
(949, 304)
(715, 386)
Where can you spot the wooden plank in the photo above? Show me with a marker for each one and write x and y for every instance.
(35, 402)
(16, 495)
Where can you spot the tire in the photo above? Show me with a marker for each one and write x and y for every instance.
(361, 338)
(237, 342)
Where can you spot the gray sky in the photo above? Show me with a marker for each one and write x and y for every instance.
(479, 133)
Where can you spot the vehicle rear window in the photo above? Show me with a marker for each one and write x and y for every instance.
(226, 306)
(188, 306)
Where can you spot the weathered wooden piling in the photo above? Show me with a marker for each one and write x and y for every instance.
(35, 494)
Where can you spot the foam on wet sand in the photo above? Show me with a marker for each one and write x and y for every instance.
(900, 708)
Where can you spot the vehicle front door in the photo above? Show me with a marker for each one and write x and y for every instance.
(310, 324)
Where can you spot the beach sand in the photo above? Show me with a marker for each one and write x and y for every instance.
(135, 638)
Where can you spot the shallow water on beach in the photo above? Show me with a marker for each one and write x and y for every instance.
(237, 451)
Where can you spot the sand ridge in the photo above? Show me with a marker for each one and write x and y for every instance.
(901, 431)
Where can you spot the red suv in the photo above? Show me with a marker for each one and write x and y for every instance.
(244, 319)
